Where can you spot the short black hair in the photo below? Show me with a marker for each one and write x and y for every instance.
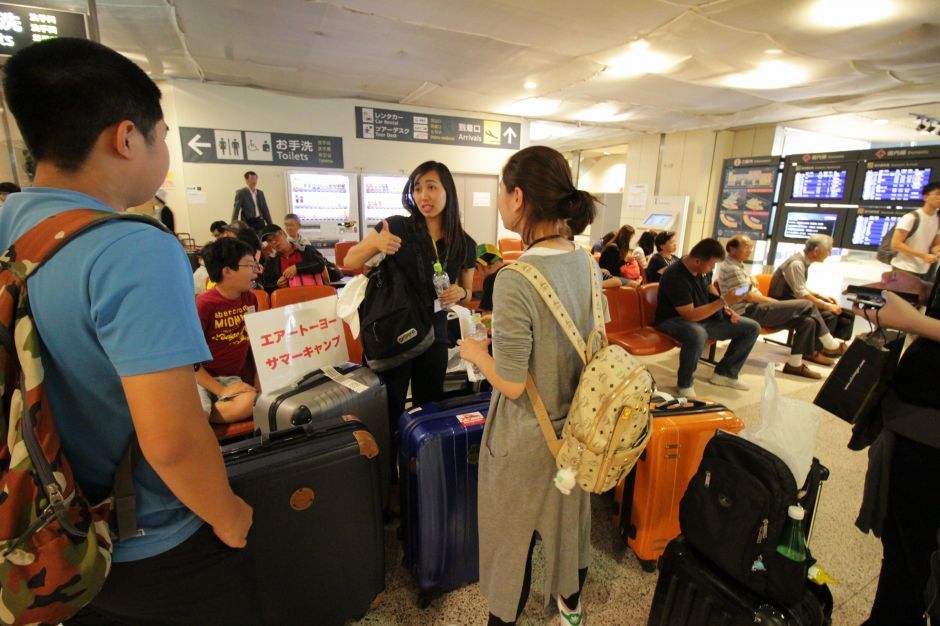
(9, 188)
(931, 186)
(662, 238)
(222, 253)
(217, 225)
(249, 173)
(707, 249)
(292, 216)
(65, 92)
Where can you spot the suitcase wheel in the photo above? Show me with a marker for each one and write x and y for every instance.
(424, 601)
(648, 566)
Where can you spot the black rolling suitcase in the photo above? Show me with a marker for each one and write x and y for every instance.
(315, 397)
(317, 538)
(692, 592)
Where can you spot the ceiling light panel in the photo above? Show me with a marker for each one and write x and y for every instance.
(845, 14)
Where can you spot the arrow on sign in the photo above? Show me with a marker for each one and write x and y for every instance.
(509, 134)
(195, 144)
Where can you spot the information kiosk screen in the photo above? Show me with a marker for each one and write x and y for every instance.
(900, 184)
(798, 224)
(819, 185)
(867, 228)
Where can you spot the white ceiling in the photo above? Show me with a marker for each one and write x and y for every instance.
(475, 55)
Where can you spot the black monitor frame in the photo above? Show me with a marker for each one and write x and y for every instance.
(847, 190)
(852, 219)
(867, 166)
(784, 210)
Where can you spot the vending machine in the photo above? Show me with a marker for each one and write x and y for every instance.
(381, 198)
(327, 205)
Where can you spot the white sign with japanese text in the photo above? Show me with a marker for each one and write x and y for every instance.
(290, 341)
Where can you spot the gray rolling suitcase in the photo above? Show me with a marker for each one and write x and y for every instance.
(315, 398)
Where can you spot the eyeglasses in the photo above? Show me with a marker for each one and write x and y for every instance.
(255, 266)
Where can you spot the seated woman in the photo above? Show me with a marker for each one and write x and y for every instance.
(617, 258)
(666, 245)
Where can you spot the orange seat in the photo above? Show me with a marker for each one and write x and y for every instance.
(476, 290)
(763, 283)
(340, 250)
(626, 328)
(509, 243)
(512, 255)
(234, 430)
(295, 295)
(264, 301)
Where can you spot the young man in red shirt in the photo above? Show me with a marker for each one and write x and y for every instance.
(225, 395)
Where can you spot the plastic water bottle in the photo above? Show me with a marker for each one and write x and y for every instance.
(441, 282)
(792, 542)
(478, 332)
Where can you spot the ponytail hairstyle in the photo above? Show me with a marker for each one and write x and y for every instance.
(646, 241)
(550, 196)
(453, 232)
(624, 235)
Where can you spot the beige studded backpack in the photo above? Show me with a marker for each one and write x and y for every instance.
(608, 424)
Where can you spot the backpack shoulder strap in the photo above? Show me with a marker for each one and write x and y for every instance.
(37, 245)
(553, 302)
(916, 223)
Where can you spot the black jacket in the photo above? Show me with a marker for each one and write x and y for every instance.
(313, 263)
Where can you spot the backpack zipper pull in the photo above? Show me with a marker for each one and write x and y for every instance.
(708, 478)
(762, 533)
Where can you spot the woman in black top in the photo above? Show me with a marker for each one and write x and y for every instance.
(910, 448)
(618, 254)
(665, 247)
(431, 233)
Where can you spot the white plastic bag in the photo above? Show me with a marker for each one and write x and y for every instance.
(788, 428)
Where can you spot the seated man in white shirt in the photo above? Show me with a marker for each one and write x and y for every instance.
(916, 236)
(799, 315)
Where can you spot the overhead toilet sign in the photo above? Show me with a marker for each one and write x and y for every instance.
(214, 145)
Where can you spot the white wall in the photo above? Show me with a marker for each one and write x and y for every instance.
(605, 175)
(689, 164)
(188, 103)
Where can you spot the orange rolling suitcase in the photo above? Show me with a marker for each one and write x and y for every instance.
(646, 503)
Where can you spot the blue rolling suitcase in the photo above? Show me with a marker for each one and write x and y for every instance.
(440, 449)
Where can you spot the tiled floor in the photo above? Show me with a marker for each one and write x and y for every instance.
(618, 592)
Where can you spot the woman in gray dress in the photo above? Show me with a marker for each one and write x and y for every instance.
(518, 501)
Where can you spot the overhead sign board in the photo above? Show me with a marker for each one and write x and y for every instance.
(392, 125)
(214, 145)
(21, 26)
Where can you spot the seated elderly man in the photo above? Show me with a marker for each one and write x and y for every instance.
(789, 283)
(292, 267)
(799, 315)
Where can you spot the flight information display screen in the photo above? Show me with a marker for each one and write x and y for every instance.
(819, 185)
(871, 228)
(799, 225)
(895, 184)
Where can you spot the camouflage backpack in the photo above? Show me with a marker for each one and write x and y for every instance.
(608, 422)
(55, 547)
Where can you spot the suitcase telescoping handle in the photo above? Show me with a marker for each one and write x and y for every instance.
(311, 429)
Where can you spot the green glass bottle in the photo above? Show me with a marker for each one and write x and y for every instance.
(792, 542)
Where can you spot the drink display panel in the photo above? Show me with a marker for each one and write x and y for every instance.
(381, 197)
(319, 198)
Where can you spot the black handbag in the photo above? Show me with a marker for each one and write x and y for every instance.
(860, 379)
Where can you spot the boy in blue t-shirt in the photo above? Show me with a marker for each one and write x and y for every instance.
(120, 334)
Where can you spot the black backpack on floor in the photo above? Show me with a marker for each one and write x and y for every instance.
(734, 512)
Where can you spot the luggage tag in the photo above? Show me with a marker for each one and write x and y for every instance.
(345, 381)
